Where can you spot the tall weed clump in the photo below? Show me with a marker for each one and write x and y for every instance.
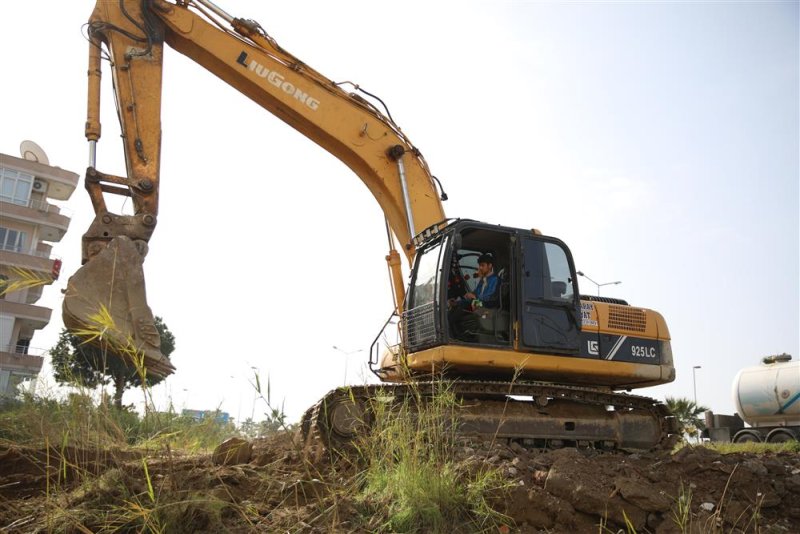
(74, 420)
(173, 430)
(411, 474)
(79, 421)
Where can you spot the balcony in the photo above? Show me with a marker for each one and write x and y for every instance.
(43, 250)
(61, 183)
(48, 217)
(37, 261)
(10, 360)
(30, 316)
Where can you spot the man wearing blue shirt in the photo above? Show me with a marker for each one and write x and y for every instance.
(461, 317)
(486, 292)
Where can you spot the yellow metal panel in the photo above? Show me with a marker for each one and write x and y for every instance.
(503, 363)
(627, 320)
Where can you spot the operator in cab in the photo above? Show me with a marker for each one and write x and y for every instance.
(462, 319)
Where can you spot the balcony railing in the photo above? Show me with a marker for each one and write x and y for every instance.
(19, 250)
(18, 363)
(46, 207)
(24, 349)
(40, 205)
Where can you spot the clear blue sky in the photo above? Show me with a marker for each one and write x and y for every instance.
(659, 140)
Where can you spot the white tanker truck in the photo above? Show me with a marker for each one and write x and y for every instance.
(767, 398)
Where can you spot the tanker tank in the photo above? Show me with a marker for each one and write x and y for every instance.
(769, 394)
(767, 398)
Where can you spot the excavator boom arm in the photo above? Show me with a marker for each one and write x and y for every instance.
(242, 54)
(245, 57)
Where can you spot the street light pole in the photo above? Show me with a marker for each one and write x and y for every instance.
(694, 382)
(580, 273)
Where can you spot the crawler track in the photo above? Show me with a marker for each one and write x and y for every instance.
(534, 414)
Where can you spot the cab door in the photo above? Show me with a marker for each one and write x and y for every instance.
(550, 306)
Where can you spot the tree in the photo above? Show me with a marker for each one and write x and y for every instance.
(81, 364)
(688, 414)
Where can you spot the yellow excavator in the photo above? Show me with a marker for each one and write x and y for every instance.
(544, 365)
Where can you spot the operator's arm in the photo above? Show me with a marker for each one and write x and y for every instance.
(487, 292)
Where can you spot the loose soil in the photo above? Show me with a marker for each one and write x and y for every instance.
(286, 488)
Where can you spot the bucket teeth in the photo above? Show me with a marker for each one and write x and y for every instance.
(106, 304)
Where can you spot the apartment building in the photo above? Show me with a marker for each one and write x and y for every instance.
(29, 224)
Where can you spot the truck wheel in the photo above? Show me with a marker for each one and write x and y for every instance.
(746, 437)
(780, 436)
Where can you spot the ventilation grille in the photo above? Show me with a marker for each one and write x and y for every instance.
(627, 318)
(419, 327)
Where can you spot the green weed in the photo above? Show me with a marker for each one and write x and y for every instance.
(682, 511)
(756, 448)
(411, 476)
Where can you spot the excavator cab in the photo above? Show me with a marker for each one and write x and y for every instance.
(540, 327)
(536, 306)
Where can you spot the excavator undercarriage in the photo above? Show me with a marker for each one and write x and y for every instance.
(539, 415)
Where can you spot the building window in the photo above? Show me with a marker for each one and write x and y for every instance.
(15, 186)
(22, 346)
(11, 240)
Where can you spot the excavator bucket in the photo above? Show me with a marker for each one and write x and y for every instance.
(105, 304)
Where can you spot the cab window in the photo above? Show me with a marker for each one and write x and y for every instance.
(547, 272)
(426, 279)
(561, 286)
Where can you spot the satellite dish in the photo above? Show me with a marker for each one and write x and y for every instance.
(33, 152)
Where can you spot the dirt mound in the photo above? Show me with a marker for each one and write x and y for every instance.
(695, 489)
(284, 488)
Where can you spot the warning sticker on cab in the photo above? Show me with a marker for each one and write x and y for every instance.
(588, 314)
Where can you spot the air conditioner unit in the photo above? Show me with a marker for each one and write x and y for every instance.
(39, 185)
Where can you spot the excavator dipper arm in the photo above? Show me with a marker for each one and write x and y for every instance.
(105, 299)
